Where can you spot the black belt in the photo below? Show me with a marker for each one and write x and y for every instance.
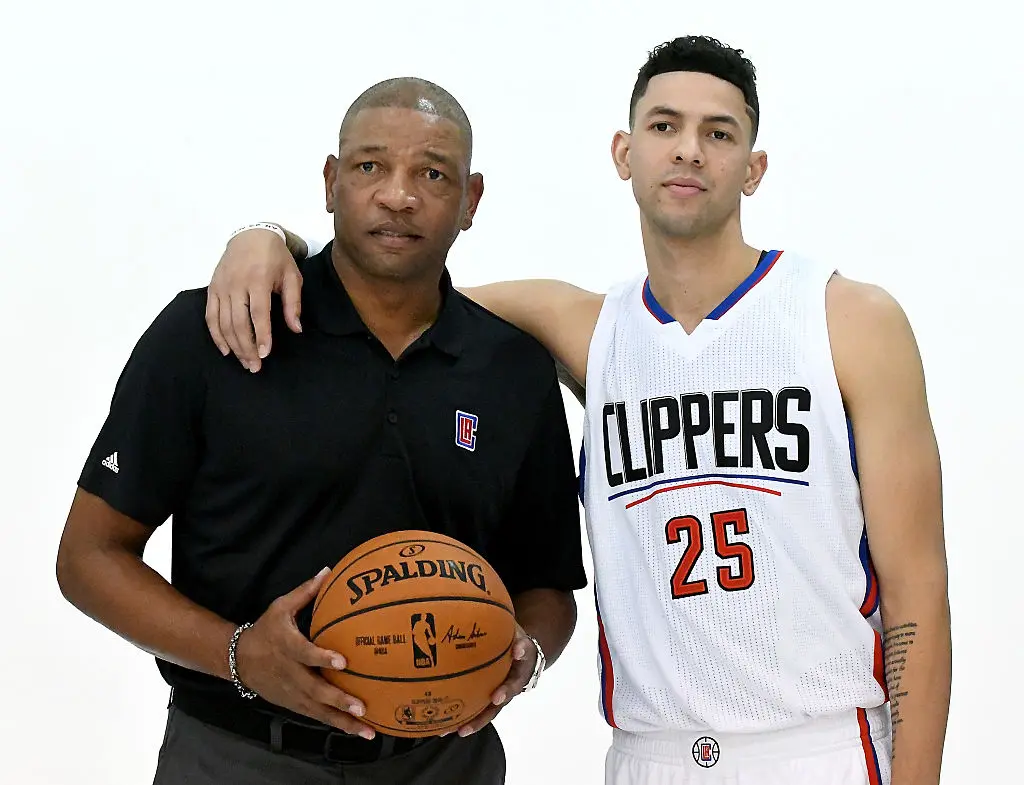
(288, 734)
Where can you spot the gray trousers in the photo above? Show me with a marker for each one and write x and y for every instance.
(195, 753)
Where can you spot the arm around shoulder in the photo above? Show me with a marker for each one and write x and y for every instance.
(558, 314)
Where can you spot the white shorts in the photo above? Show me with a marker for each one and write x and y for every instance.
(849, 749)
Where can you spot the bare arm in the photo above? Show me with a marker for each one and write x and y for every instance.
(257, 264)
(882, 380)
(559, 315)
(101, 572)
(549, 616)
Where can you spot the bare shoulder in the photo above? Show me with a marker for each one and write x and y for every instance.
(870, 334)
(863, 305)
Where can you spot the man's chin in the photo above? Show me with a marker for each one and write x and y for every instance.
(393, 265)
(683, 227)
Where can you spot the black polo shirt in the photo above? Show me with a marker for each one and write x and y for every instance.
(270, 477)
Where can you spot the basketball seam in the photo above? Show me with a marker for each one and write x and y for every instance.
(393, 603)
(342, 570)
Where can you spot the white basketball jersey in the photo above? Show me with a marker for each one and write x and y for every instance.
(733, 582)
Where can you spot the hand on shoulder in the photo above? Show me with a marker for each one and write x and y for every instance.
(255, 264)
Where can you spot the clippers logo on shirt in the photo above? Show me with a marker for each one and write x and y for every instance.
(465, 430)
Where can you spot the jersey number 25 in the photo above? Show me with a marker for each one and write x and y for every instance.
(682, 586)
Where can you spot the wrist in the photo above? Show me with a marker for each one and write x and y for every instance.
(538, 666)
(260, 227)
(234, 674)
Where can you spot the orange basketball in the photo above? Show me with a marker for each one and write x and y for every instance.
(426, 626)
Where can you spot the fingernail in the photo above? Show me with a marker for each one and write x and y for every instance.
(464, 732)
(367, 733)
(323, 572)
(254, 366)
(446, 733)
(338, 662)
(263, 351)
(499, 698)
(356, 709)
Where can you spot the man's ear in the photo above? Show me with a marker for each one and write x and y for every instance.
(756, 167)
(620, 153)
(330, 172)
(474, 192)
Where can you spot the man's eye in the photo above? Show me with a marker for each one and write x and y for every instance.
(435, 175)
(368, 166)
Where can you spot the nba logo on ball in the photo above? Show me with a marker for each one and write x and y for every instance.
(465, 430)
(705, 752)
(424, 640)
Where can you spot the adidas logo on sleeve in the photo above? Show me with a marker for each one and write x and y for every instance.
(111, 463)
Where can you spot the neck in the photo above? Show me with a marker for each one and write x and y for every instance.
(691, 276)
(396, 311)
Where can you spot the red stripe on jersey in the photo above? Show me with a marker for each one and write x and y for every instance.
(871, 596)
(698, 484)
(870, 756)
(880, 666)
(607, 675)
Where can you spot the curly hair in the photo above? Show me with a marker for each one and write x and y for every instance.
(702, 54)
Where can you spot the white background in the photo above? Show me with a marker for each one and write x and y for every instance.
(136, 135)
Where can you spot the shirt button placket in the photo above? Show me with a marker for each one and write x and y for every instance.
(393, 375)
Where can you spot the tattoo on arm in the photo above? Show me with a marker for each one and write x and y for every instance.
(570, 382)
(897, 643)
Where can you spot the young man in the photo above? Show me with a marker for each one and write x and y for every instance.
(762, 481)
(351, 431)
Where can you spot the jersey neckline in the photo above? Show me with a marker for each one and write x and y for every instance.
(764, 265)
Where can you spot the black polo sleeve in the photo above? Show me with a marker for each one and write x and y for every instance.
(540, 544)
(147, 450)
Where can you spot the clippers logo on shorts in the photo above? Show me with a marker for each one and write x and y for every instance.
(465, 430)
(424, 640)
(705, 752)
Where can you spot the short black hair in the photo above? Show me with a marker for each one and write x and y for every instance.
(411, 92)
(702, 54)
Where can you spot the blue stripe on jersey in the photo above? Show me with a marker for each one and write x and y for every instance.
(872, 762)
(763, 266)
(853, 448)
(654, 306)
(865, 555)
(583, 472)
(706, 477)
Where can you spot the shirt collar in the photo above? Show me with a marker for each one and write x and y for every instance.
(328, 307)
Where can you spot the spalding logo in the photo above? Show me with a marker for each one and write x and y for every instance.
(367, 582)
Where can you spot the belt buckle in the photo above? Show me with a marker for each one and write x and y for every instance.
(349, 749)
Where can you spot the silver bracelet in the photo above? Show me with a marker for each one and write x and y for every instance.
(538, 666)
(244, 691)
(262, 225)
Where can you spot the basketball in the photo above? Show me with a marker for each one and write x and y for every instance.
(426, 626)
